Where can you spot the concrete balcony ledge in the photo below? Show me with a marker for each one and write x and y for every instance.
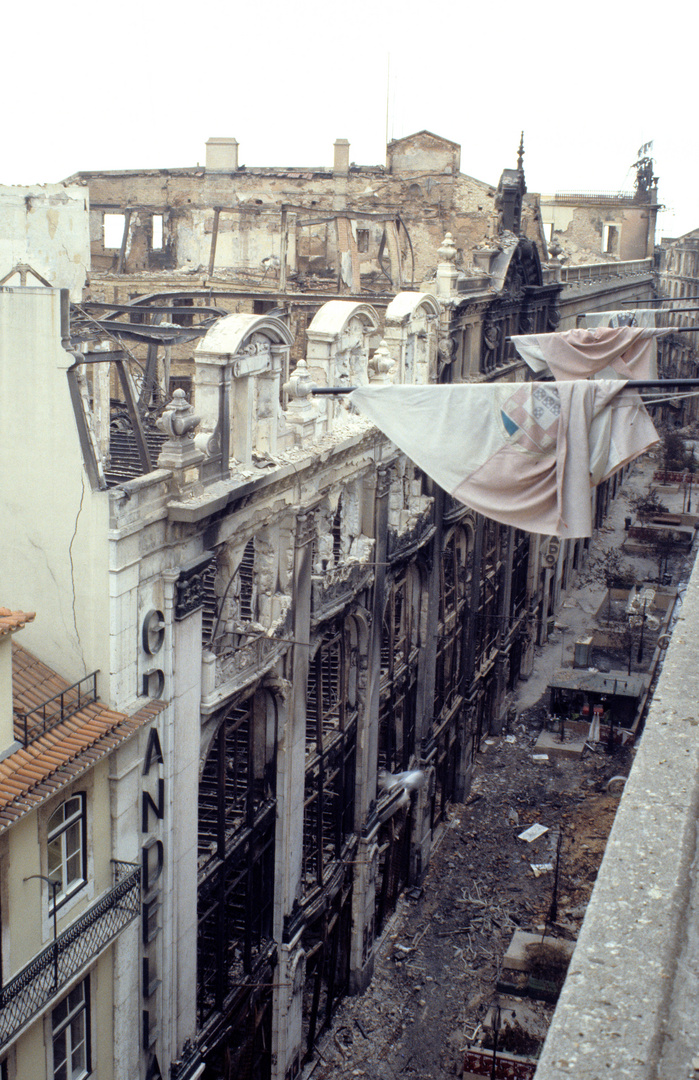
(628, 1006)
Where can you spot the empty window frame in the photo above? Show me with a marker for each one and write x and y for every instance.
(399, 664)
(238, 778)
(70, 1024)
(113, 229)
(455, 584)
(66, 849)
(610, 239)
(157, 232)
(331, 749)
(487, 626)
(362, 240)
(237, 814)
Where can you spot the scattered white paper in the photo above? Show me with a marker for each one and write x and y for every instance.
(540, 757)
(541, 868)
(533, 832)
(511, 738)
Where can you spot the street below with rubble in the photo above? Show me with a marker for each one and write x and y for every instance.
(441, 962)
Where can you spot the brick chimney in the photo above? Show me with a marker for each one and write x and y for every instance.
(341, 158)
(9, 622)
(221, 155)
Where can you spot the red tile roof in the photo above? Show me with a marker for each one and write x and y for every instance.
(54, 758)
(14, 620)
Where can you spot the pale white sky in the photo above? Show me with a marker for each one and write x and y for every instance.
(144, 83)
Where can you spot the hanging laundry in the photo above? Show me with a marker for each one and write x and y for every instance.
(625, 352)
(626, 317)
(524, 454)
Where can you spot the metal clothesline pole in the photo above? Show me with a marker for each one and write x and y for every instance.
(631, 384)
(660, 300)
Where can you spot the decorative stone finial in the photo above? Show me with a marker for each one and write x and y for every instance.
(447, 252)
(520, 153)
(380, 365)
(302, 411)
(300, 382)
(178, 420)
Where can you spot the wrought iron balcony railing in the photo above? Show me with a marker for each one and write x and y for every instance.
(60, 707)
(44, 976)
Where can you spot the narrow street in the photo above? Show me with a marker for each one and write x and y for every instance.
(440, 957)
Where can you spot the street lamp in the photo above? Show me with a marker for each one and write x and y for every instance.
(496, 1029)
(55, 885)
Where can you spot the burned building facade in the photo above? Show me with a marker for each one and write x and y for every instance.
(329, 636)
(678, 282)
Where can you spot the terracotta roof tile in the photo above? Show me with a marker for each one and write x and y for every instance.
(14, 620)
(56, 757)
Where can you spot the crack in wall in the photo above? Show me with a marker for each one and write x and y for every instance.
(72, 572)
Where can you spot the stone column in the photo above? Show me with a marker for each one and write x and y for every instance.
(183, 613)
(422, 831)
(213, 404)
(291, 762)
(363, 895)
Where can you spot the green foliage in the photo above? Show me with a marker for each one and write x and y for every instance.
(676, 457)
(648, 505)
(617, 573)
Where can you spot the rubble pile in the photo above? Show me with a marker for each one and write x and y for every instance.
(441, 956)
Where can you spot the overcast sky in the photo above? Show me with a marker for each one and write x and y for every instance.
(144, 84)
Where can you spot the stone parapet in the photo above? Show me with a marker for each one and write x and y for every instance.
(627, 1007)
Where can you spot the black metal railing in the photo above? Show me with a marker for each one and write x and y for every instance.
(59, 707)
(45, 975)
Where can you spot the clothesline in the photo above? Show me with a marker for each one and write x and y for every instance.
(630, 384)
(660, 300)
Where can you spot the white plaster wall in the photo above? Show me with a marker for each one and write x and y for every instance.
(53, 558)
(182, 741)
(47, 226)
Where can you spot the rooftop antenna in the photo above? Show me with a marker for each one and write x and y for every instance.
(388, 89)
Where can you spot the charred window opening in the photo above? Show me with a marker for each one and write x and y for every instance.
(113, 231)
(399, 656)
(487, 622)
(178, 318)
(337, 534)
(209, 605)
(236, 852)
(455, 579)
(157, 232)
(181, 382)
(326, 943)
(223, 612)
(520, 569)
(331, 749)
(394, 863)
(455, 584)
(246, 575)
(362, 240)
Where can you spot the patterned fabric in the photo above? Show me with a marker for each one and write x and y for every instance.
(525, 454)
(531, 417)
